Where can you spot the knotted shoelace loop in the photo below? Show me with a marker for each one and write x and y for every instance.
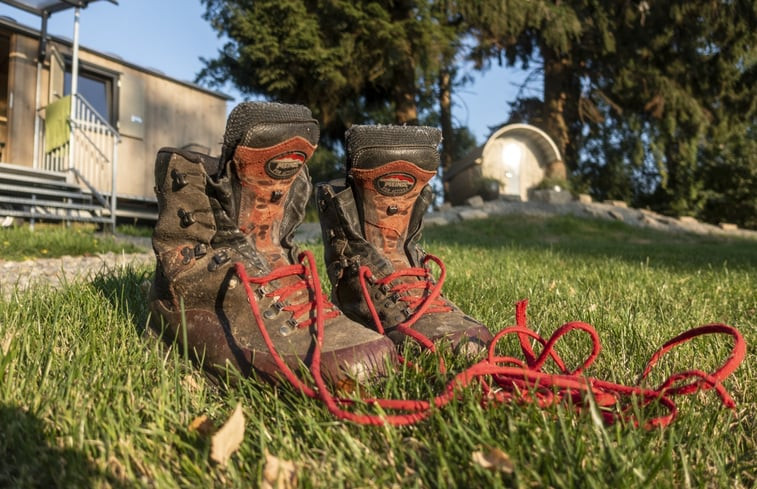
(302, 282)
(506, 379)
(421, 296)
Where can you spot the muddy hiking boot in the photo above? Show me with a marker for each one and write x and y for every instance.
(371, 227)
(236, 216)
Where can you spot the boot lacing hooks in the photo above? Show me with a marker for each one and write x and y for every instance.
(323, 309)
(421, 304)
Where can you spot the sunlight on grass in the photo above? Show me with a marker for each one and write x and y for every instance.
(52, 241)
(87, 402)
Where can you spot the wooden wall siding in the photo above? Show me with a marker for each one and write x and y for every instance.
(21, 88)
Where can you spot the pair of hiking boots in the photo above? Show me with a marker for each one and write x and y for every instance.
(230, 285)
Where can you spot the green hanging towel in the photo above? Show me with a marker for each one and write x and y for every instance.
(57, 130)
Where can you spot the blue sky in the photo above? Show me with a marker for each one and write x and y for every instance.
(172, 36)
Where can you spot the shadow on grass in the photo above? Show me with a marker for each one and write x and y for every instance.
(126, 292)
(28, 459)
(596, 239)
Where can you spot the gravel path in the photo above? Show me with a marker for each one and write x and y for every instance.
(20, 275)
(57, 271)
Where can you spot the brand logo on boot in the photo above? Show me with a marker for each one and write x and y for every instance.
(285, 165)
(393, 184)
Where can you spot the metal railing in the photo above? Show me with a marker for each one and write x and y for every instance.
(90, 155)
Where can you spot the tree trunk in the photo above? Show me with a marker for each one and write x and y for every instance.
(405, 108)
(561, 93)
(448, 134)
(406, 111)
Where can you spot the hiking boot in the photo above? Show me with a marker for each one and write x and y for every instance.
(226, 264)
(371, 228)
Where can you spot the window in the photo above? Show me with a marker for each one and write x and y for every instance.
(97, 88)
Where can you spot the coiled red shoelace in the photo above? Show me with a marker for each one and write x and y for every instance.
(503, 378)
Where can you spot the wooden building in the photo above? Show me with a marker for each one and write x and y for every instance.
(102, 141)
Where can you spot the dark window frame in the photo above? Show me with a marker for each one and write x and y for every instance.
(98, 73)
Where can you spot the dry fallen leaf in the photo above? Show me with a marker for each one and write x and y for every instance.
(202, 425)
(278, 473)
(494, 459)
(226, 441)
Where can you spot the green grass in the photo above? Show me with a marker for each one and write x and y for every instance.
(142, 231)
(86, 402)
(52, 241)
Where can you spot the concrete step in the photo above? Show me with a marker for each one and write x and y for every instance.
(12, 169)
(24, 201)
(44, 216)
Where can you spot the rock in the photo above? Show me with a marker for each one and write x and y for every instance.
(476, 201)
(470, 214)
(435, 221)
(584, 198)
(552, 196)
(615, 215)
(688, 220)
(727, 226)
(616, 203)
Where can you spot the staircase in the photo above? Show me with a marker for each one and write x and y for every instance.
(43, 195)
(76, 177)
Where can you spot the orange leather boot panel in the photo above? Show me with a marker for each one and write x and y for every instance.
(268, 174)
(389, 193)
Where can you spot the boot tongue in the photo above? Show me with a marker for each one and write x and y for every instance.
(265, 176)
(265, 148)
(389, 167)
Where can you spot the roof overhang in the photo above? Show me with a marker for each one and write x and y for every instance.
(44, 8)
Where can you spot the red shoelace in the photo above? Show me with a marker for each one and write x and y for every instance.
(410, 292)
(502, 378)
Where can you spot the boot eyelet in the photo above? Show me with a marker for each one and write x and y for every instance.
(233, 282)
(384, 288)
(261, 292)
(279, 306)
(187, 219)
(270, 313)
(276, 195)
(285, 330)
(180, 179)
(218, 259)
(186, 255)
(200, 250)
(392, 210)
(378, 295)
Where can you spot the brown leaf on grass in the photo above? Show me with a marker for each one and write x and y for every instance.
(493, 459)
(202, 425)
(278, 473)
(226, 441)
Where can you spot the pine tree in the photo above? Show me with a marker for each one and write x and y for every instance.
(647, 100)
(350, 62)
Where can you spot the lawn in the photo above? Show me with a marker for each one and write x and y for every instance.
(85, 401)
(53, 241)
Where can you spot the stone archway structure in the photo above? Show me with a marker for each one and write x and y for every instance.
(516, 158)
